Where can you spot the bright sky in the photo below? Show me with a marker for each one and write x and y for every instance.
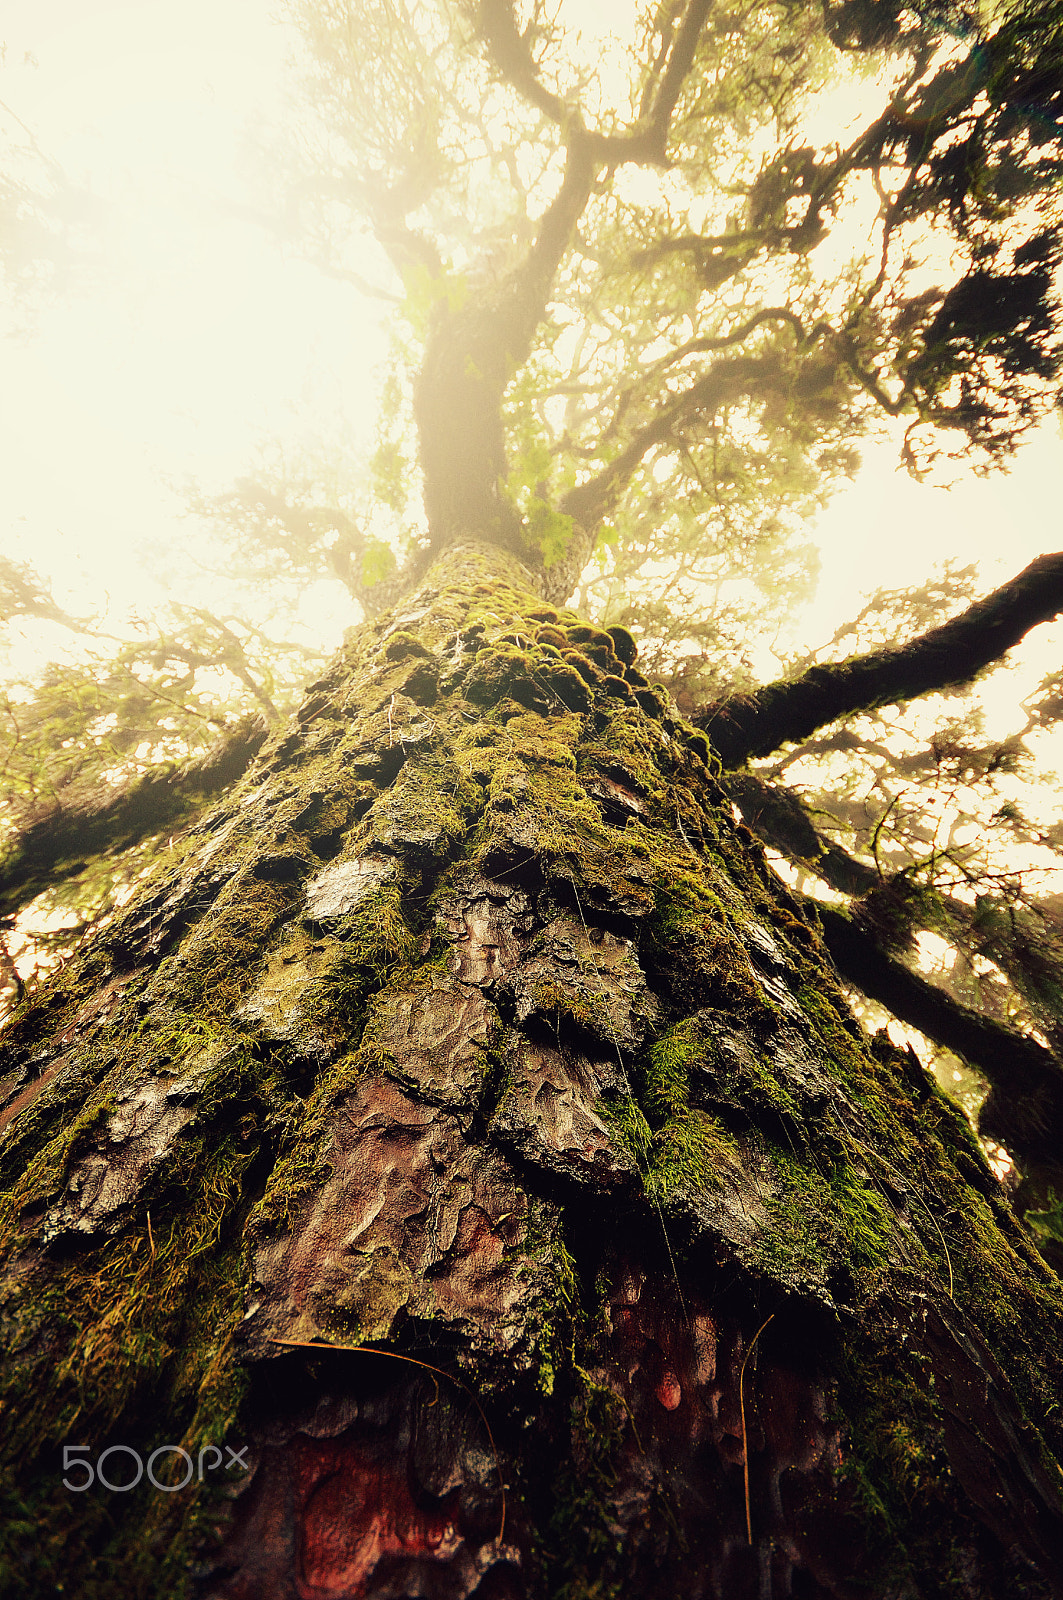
(199, 335)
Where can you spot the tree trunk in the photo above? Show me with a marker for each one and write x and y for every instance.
(470, 1027)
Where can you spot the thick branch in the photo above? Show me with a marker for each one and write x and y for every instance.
(510, 53)
(654, 137)
(955, 653)
(647, 141)
(725, 382)
(57, 843)
(779, 819)
(1025, 1109)
(891, 901)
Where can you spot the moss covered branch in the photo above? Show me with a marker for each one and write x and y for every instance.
(780, 820)
(1025, 1107)
(754, 725)
(56, 842)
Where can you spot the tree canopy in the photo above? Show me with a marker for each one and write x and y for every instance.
(649, 297)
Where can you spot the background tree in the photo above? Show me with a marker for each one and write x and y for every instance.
(643, 348)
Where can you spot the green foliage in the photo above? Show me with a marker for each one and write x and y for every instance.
(378, 563)
(549, 531)
(118, 714)
(427, 291)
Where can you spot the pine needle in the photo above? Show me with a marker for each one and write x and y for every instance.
(742, 1409)
(393, 1355)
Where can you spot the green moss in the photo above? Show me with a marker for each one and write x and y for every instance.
(133, 1344)
(581, 1549)
(624, 645)
(755, 1082)
(552, 637)
(666, 1067)
(563, 680)
(374, 941)
(495, 672)
(698, 743)
(623, 1117)
(581, 633)
(400, 645)
(301, 1165)
(895, 1466)
(531, 739)
(1047, 1224)
(211, 969)
(698, 956)
(426, 811)
(548, 807)
(555, 1310)
(566, 1004)
(627, 737)
(652, 701)
(691, 1152)
(582, 666)
(820, 1223)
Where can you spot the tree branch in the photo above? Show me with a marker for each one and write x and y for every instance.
(725, 382)
(954, 653)
(654, 137)
(24, 593)
(647, 141)
(57, 843)
(709, 343)
(510, 53)
(1025, 1107)
(779, 819)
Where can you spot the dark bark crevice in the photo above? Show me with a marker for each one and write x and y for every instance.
(748, 726)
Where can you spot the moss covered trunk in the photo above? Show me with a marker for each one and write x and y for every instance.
(470, 1028)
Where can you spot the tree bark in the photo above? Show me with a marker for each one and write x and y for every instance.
(469, 1027)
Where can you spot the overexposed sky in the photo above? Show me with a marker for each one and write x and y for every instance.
(193, 333)
(190, 333)
(888, 530)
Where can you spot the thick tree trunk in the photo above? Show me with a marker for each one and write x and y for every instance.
(470, 1027)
